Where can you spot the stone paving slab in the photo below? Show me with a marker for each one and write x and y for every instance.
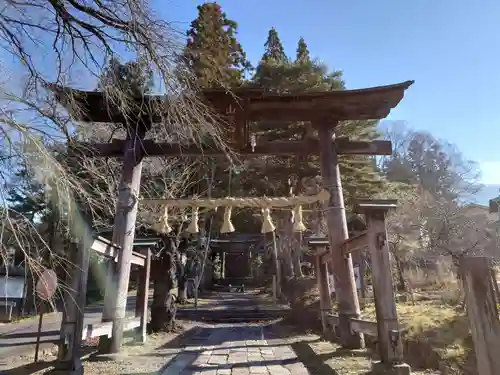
(237, 350)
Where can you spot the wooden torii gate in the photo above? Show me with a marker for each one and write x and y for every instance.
(324, 110)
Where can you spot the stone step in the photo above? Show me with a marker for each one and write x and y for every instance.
(231, 315)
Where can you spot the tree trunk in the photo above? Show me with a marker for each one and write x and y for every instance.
(297, 254)
(163, 309)
(182, 275)
(460, 281)
(284, 256)
(182, 290)
(401, 278)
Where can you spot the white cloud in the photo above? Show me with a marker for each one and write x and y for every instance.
(490, 172)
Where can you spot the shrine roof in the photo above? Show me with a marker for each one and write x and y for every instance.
(256, 104)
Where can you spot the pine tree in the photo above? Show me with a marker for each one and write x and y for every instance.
(274, 49)
(302, 53)
(212, 51)
(270, 175)
(133, 77)
(272, 66)
(358, 175)
(26, 196)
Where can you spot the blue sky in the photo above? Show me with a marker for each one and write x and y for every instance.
(450, 48)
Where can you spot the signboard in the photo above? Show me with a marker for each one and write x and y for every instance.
(331, 281)
(46, 285)
(12, 287)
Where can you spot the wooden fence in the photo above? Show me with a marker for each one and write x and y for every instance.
(72, 328)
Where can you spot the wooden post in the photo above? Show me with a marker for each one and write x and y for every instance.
(482, 312)
(390, 345)
(124, 232)
(223, 266)
(345, 284)
(109, 295)
(277, 264)
(39, 330)
(68, 358)
(196, 284)
(325, 301)
(362, 271)
(141, 303)
(275, 299)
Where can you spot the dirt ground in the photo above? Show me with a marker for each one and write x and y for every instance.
(160, 355)
(134, 358)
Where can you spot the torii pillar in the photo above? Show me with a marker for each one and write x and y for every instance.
(355, 105)
(343, 271)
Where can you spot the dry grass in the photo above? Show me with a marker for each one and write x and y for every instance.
(440, 278)
(442, 326)
(435, 318)
(439, 324)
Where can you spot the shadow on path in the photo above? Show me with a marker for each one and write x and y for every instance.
(205, 349)
(27, 369)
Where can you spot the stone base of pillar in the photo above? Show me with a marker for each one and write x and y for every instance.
(347, 338)
(381, 368)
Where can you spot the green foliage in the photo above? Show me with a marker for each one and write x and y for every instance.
(272, 65)
(269, 175)
(25, 195)
(274, 50)
(133, 77)
(95, 292)
(212, 52)
(217, 59)
(302, 52)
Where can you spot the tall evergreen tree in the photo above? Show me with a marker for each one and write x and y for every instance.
(358, 174)
(26, 196)
(302, 52)
(270, 175)
(270, 70)
(274, 49)
(212, 50)
(133, 77)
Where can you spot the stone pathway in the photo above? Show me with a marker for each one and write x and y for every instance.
(236, 350)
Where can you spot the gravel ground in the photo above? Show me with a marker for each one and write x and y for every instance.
(160, 354)
(148, 358)
(327, 358)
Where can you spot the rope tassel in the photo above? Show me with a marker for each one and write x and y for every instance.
(227, 225)
(193, 225)
(162, 225)
(267, 222)
(298, 224)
